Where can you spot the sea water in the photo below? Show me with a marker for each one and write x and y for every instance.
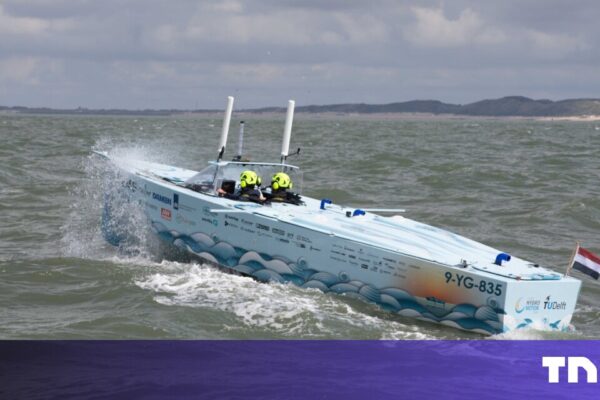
(529, 188)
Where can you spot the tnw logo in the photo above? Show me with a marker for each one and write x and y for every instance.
(554, 364)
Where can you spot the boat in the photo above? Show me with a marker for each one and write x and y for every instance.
(376, 255)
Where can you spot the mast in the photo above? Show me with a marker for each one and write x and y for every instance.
(287, 131)
(238, 157)
(225, 130)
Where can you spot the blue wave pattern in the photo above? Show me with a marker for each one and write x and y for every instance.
(484, 319)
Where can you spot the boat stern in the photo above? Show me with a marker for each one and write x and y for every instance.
(541, 304)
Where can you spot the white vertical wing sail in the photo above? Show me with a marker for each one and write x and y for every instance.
(225, 131)
(287, 131)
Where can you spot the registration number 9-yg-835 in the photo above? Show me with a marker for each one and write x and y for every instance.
(469, 283)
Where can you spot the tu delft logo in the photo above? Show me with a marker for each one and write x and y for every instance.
(554, 305)
(573, 364)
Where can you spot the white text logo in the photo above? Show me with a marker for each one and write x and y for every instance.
(554, 364)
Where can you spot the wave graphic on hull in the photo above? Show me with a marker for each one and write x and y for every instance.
(483, 319)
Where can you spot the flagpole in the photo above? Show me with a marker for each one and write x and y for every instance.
(571, 262)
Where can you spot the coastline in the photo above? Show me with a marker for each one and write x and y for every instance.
(315, 115)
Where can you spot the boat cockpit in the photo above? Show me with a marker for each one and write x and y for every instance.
(225, 175)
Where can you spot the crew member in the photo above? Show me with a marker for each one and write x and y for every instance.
(248, 190)
(250, 186)
(280, 184)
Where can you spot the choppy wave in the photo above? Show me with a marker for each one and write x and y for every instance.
(263, 267)
(268, 310)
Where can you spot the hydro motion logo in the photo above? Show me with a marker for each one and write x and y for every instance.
(529, 304)
(554, 305)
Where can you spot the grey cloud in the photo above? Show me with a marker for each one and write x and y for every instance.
(151, 53)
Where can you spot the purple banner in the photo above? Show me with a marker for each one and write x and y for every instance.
(480, 369)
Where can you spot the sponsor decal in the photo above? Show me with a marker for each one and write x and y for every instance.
(554, 305)
(165, 213)
(211, 221)
(151, 206)
(227, 223)
(231, 217)
(183, 220)
(181, 206)
(206, 211)
(161, 198)
(303, 239)
(278, 231)
(247, 222)
(262, 227)
(529, 304)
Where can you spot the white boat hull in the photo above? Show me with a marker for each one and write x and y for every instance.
(408, 268)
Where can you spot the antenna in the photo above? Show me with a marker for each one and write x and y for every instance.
(225, 131)
(238, 157)
(287, 131)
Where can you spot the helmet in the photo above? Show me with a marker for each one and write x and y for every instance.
(281, 180)
(249, 179)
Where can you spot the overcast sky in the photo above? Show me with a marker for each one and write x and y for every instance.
(192, 54)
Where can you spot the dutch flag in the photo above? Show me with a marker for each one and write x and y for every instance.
(587, 262)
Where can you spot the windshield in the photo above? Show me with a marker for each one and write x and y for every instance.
(211, 178)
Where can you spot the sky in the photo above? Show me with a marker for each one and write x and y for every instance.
(185, 54)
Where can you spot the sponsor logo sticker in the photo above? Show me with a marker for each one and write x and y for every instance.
(529, 304)
(549, 304)
(161, 198)
(165, 213)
